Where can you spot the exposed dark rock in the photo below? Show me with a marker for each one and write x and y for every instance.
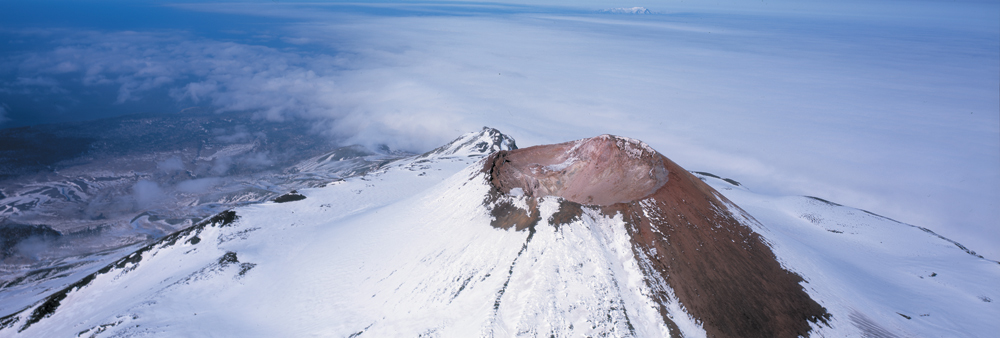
(290, 197)
(228, 258)
(731, 181)
(245, 267)
(221, 219)
(707, 174)
(568, 212)
(823, 200)
(52, 302)
(506, 215)
(10, 320)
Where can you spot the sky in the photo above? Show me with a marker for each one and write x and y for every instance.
(887, 106)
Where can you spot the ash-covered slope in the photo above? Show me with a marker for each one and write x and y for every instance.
(598, 237)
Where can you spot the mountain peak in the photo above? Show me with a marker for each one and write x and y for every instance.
(481, 143)
(602, 170)
(696, 247)
(436, 246)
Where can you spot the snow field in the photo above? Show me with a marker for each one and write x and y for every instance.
(871, 271)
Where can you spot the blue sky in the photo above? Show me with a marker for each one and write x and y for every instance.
(888, 106)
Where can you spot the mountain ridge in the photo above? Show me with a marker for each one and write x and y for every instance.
(417, 247)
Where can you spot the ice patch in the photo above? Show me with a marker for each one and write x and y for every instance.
(561, 166)
(517, 192)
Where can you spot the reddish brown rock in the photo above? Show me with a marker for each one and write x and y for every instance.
(603, 170)
(683, 232)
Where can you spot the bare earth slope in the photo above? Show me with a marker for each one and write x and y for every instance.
(683, 230)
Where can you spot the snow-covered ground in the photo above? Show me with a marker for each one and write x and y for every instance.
(895, 279)
(408, 250)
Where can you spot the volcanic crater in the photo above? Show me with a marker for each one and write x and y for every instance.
(693, 245)
(603, 170)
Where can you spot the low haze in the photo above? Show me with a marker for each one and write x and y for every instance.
(888, 106)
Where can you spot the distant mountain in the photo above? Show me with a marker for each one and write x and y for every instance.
(626, 10)
(596, 237)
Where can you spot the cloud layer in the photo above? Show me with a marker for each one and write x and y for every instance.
(891, 114)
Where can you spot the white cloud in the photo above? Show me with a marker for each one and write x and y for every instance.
(866, 114)
(893, 115)
(147, 194)
(170, 165)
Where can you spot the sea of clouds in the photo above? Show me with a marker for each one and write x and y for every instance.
(887, 106)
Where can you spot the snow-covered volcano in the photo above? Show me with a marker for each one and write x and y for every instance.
(597, 237)
(692, 245)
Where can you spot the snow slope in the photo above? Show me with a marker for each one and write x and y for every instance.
(408, 250)
(876, 275)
